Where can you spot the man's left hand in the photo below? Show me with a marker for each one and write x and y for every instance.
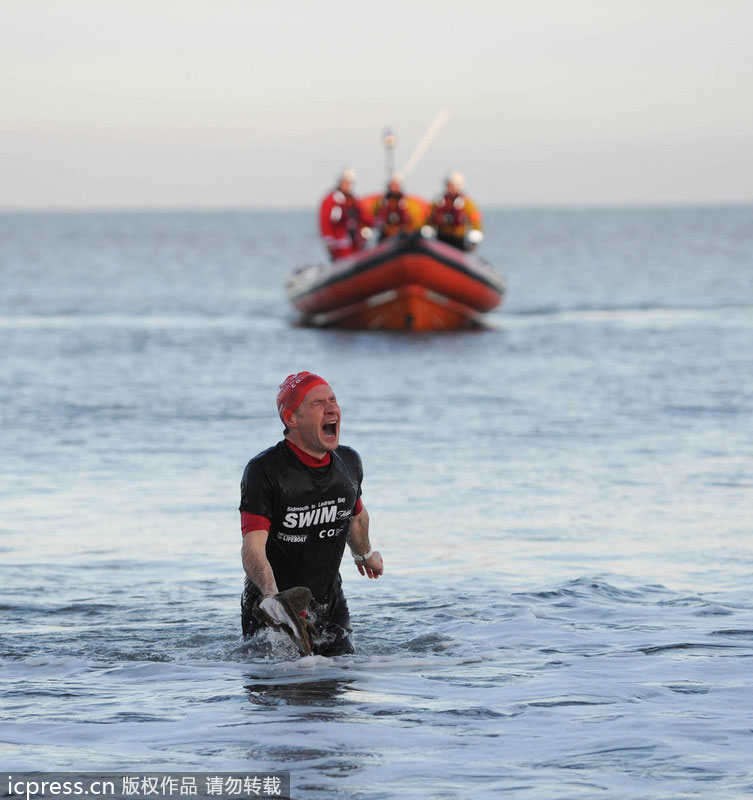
(373, 567)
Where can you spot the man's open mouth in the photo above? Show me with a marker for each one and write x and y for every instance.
(330, 428)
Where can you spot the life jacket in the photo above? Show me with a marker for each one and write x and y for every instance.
(345, 211)
(392, 214)
(450, 213)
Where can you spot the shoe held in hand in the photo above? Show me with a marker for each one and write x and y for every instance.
(288, 610)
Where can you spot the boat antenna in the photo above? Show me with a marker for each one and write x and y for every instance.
(389, 140)
(427, 139)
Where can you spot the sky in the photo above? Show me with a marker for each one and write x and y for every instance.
(155, 104)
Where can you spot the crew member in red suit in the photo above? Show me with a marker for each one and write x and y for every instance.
(455, 216)
(341, 219)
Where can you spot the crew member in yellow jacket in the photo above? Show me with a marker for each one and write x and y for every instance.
(395, 212)
(455, 216)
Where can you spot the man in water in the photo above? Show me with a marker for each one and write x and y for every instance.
(300, 504)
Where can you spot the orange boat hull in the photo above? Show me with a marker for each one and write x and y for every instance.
(408, 308)
(410, 284)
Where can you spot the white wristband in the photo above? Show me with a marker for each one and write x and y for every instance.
(360, 559)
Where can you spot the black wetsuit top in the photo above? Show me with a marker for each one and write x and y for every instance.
(310, 510)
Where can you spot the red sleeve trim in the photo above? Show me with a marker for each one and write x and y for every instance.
(359, 507)
(254, 522)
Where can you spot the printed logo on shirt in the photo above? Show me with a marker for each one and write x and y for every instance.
(289, 537)
(304, 516)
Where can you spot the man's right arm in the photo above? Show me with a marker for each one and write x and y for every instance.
(258, 569)
(255, 563)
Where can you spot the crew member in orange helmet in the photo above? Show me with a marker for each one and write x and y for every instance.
(341, 219)
(391, 210)
(455, 216)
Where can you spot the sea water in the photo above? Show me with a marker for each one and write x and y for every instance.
(563, 502)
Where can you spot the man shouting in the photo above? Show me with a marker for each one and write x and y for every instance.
(300, 505)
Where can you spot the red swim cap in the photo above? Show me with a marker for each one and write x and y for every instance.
(292, 391)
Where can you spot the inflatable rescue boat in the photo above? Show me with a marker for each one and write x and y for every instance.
(408, 282)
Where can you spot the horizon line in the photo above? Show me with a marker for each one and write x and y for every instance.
(251, 208)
